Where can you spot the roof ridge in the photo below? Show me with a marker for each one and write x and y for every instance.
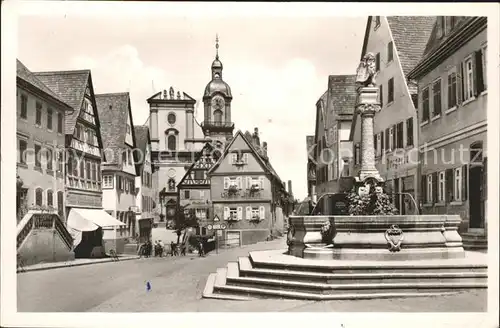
(62, 72)
(112, 94)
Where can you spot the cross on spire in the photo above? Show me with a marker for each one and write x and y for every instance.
(217, 46)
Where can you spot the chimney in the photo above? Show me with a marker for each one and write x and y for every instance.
(290, 187)
(264, 149)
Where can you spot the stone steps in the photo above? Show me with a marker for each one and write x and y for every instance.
(474, 242)
(251, 278)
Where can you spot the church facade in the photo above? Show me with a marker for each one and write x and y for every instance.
(177, 139)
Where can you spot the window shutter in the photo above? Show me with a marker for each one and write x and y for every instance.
(478, 72)
(381, 95)
(394, 136)
(261, 182)
(461, 85)
(226, 183)
(435, 187)
(449, 184)
(226, 213)
(387, 138)
(240, 213)
(423, 189)
(375, 144)
(248, 213)
(262, 212)
(239, 182)
(382, 142)
(465, 171)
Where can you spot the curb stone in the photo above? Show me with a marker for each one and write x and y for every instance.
(59, 266)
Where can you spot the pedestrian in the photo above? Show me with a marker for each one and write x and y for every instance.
(201, 249)
(162, 247)
(183, 250)
(172, 248)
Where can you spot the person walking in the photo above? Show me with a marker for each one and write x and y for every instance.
(201, 249)
(172, 248)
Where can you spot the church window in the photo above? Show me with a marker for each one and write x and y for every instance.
(171, 118)
(171, 142)
(218, 116)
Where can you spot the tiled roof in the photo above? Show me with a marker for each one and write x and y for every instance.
(113, 109)
(342, 93)
(69, 86)
(435, 42)
(141, 141)
(25, 74)
(410, 34)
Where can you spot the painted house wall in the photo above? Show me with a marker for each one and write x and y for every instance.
(404, 162)
(28, 131)
(128, 135)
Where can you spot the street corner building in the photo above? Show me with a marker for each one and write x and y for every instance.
(246, 192)
(398, 43)
(84, 156)
(119, 170)
(452, 84)
(41, 232)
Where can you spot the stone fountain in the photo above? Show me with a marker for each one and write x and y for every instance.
(383, 237)
(374, 255)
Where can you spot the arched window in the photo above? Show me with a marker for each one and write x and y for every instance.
(50, 198)
(218, 116)
(39, 197)
(171, 142)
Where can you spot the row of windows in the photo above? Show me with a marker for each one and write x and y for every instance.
(445, 186)
(188, 193)
(236, 213)
(86, 134)
(237, 158)
(390, 92)
(147, 179)
(53, 159)
(461, 86)
(49, 199)
(84, 168)
(250, 182)
(39, 114)
(122, 183)
(390, 56)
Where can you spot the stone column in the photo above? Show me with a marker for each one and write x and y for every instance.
(367, 106)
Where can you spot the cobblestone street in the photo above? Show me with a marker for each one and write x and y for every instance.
(177, 284)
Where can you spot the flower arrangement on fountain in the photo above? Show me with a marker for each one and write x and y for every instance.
(370, 200)
(232, 219)
(42, 208)
(254, 188)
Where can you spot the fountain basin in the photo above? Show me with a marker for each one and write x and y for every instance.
(366, 238)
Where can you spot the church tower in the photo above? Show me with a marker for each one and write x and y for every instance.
(217, 99)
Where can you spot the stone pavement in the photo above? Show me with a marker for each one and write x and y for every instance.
(75, 262)
(177, 284)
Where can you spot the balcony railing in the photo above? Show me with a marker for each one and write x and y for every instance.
(85, 147)
(87, 117)
(217, 124)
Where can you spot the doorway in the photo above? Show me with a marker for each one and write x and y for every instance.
(477, 187)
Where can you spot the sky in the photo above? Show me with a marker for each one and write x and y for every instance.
(277, 67)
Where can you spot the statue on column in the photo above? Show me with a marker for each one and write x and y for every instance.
(367, 71)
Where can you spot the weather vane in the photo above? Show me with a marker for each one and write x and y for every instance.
(217, 46)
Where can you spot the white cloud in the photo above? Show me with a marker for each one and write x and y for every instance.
(279, 100)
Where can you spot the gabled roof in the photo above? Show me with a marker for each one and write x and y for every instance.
(410, 35)
(434, 41)
(250, 146)
(114, 110)
(26, 75)
(160, 96)
(208, 146)
(69, 86)
(142, 139)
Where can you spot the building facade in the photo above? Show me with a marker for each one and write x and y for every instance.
(452, 83)
(246, 192)
(40, 144)
(145, 191)
(120, 168)
(84, 156)
(322, 155)
(311, 169)
(175, 139)
(398, 43)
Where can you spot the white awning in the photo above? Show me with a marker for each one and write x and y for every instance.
(84, 219)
